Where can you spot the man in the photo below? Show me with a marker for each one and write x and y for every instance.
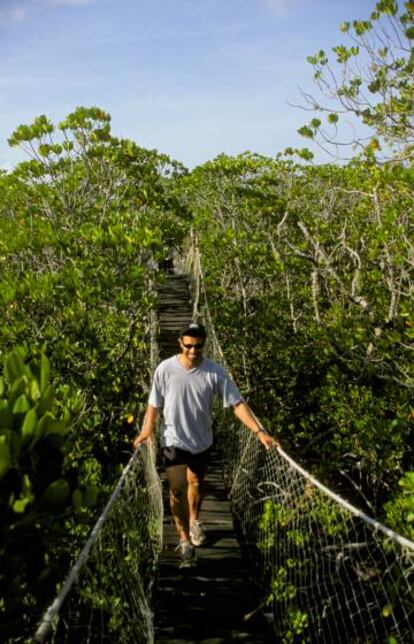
(183, 389)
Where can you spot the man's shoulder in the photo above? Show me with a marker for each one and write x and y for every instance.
(213, 367)
(167, 364)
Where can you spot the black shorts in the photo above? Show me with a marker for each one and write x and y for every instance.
(176, 456)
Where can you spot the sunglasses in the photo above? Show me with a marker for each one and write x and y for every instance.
(192, 346)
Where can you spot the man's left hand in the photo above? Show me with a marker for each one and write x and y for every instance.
(268, 441)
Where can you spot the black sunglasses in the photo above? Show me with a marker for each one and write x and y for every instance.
(192, 346)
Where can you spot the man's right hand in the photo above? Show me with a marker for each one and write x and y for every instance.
(141, 438)
(147, 427)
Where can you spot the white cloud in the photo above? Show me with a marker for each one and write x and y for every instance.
(20, 11)
(277, 7)
(13, 13)
(78, 81)
(60, 3)
(280, 8)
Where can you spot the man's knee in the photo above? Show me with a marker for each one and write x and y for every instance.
(178, 492)
(195, 481)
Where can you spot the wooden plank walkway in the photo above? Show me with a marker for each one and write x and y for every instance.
(207, 603)
(174, 312)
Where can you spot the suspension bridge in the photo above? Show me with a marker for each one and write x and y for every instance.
(287, 559)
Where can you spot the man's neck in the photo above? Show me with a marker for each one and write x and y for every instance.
(189, 364)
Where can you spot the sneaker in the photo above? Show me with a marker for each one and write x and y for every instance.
(197, 533)
(187, 554)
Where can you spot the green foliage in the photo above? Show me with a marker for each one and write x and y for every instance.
(374, 82)
(125, 557)
(83, 225)
(400, 510)
(35, 486)
(312, 267)
(308, 274)
(275, 520)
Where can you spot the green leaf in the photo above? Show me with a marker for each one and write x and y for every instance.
(407, 482)
(361, 26)
(77, 498)
(6, 416)
(44, 150)
(56, 495)
(303, 153)
(90, 496)
(20, 386)
(20, 505)
(29, 423)
(67, 146)
(387, 7)
(13, 440)
(26, 485)
(44, 372)
(56, 427)
(34, 390)
(21, 405)
(46, 401)
(5, 460)
(387, 610)
(306, 132)
(14, 367)
(43, 424)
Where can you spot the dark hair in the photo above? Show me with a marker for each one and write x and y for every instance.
(194, 330)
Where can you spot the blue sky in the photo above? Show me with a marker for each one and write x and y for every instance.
(191, 78)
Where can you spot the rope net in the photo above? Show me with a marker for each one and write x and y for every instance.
(107, 594)
(327, 572)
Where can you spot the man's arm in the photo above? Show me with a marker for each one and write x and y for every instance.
(148, 425)
(245, 415)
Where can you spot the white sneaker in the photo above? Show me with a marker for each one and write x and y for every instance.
(198, 534)
(187, 554)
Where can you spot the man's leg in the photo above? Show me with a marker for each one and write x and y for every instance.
(178, 490)
(195, 481)
(195, 476)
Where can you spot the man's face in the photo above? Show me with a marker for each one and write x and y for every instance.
(192, 348)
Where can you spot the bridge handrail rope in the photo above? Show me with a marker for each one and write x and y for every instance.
(139, 480)
(388, 532)
(328, 571)
(54, 608)
(107, 591)
(403, 541)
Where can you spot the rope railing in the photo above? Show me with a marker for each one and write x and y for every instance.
(107, 593)
(326, 570)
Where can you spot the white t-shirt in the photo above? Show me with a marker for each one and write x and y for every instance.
(186, 398)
